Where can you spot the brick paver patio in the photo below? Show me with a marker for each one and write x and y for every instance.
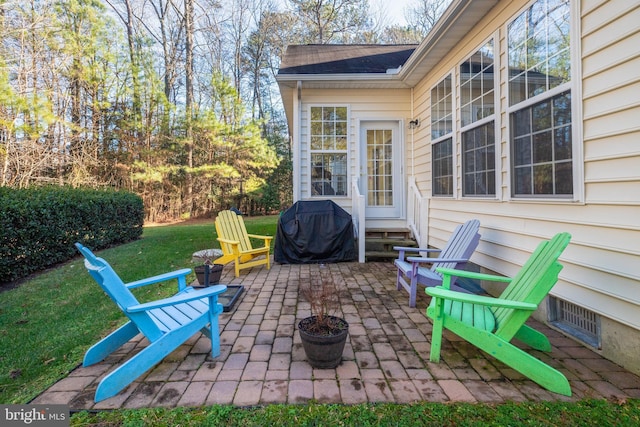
(386, 358)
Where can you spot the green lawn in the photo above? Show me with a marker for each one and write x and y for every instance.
(540, 414)
(48, 322)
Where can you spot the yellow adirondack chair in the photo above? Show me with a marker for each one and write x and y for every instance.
(236, 243)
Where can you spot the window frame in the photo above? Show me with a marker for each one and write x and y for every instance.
(495, 118)
(574, 87)
(312, 152)
(451, 74)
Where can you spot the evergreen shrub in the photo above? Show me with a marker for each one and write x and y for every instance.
(38, 226)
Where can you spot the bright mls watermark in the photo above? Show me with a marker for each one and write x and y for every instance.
(34, 415)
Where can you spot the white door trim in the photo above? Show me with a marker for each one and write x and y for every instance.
(398, 205)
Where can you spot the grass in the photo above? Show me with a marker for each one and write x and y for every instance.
(48, 322)
(539, 414)
(51, 319)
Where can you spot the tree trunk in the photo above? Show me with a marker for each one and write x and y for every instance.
(188, 18)
(135, 67)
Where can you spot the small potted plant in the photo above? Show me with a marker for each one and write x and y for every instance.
(323, 335)
(208, 272)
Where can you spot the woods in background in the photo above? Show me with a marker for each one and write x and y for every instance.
(174, 100)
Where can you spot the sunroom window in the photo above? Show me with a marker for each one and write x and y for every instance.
(539, 49)
(442, 153)
(441, 130)
(541, 139)
(477, 110)
(540, 100)
(479, 160)
(328, 144)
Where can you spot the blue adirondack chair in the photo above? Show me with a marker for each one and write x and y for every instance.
(166, 323)
(492, 323)
(457, 251)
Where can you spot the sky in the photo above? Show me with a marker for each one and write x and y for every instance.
(394, 8)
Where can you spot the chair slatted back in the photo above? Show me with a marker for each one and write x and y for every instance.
(461, 244)
(116, 289)
(231, 226)
(532, 284)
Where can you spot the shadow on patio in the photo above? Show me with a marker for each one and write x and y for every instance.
(385, 358)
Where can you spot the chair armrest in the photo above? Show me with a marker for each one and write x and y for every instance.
(422, 259)
(261, 250)
(229, 241)
(258, 236)
(402, 249)
(440, 292)
(412, 249)
(159, 278)
(472, 275)
(179, 298)
(267, 239)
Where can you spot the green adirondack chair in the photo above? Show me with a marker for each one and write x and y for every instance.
(166, 323)
(491, 323)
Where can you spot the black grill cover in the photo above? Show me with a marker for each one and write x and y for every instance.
(314, 232)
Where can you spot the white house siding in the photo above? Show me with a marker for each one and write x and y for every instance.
(363, 104)
(602, 263)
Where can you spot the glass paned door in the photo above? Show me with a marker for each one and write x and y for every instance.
(381, 166)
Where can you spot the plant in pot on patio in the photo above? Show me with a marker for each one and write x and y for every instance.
(208, 273)
(323, 335)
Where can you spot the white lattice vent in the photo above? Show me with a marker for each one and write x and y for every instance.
(575, 320)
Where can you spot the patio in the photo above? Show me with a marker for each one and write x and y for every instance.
(385, 358)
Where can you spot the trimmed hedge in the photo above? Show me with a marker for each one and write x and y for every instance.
(38, 226)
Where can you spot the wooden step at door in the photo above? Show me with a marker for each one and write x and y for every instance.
(379, 242)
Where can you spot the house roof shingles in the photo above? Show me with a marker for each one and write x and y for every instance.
(344, 59)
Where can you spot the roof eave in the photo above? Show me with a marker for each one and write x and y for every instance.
(451, 27)
(288, 84)
(364, 80)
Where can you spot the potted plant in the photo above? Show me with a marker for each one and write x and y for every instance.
(208, 273)
(323, 335)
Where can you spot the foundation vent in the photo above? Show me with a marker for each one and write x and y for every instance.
(577, 321)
